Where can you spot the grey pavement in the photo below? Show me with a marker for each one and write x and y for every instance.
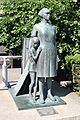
(9, 110)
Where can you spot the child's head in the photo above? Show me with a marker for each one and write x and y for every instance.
(36, 42)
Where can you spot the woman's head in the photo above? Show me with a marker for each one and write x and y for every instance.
(44, 13)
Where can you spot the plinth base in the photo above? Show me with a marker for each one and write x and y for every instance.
(25, 102)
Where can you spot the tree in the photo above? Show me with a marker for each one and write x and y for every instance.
(18, 17)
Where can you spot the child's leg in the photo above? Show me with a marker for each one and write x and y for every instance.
(35, 88)
(32, 75)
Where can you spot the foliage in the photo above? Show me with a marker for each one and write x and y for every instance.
(73, 65)
(76, 77)
(73, 59)
(18, 17)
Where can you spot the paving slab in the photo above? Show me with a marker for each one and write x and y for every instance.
(9, 110)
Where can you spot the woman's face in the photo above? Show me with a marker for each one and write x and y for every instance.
(46, 15)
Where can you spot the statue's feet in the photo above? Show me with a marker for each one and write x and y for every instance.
(30, 95)
(51, 97)
(34, 100)
(41, 101)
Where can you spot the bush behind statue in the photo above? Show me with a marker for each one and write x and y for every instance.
(18, 17)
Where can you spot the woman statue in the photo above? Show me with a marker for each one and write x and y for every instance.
(46, 64)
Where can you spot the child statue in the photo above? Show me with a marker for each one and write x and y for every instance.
(34, 53)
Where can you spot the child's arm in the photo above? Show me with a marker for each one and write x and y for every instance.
(35, 57)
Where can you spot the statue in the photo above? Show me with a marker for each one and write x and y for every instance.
(34, 53)
(42, 57)
(46, 64)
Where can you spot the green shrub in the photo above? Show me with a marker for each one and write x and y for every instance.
(73, 63)
(73, 59)
(18, 17)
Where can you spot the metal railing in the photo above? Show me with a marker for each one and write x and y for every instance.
(5, 68)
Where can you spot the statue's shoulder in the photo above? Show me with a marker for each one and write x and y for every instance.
(53, 26)
(37, 25)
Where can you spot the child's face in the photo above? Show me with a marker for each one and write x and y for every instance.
(36, 43)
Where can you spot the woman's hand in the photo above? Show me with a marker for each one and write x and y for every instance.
(39, 49)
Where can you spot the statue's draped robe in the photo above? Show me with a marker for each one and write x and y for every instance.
(46, 64)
